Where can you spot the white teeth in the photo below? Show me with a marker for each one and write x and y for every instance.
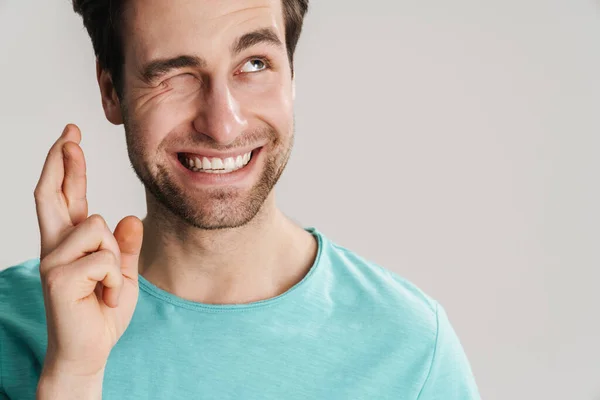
(229, 163)
(216, 165)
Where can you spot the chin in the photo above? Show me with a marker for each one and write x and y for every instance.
(231, 210)
(210, 203)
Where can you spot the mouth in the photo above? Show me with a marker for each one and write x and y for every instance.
(215, 165)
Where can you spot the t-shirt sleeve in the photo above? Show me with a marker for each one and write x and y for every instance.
(450, 376)
(3, 395)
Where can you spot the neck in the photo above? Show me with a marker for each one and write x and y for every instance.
(257, 261)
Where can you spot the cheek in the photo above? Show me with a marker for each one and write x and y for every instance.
(271, 103)
(155, 117)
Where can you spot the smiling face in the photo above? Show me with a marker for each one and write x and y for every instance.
(207, 105)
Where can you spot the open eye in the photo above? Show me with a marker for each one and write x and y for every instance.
(254, 65)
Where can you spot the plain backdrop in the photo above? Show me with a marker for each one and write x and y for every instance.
(455, 143)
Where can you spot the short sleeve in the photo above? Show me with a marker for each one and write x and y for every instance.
(450, 376)
(3, 395)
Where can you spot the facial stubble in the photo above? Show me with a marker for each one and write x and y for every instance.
(209, 208)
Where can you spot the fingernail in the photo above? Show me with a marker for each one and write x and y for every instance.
(65, 131)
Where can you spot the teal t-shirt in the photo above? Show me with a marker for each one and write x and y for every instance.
(349, 330)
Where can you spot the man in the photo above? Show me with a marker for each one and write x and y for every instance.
(222, 296)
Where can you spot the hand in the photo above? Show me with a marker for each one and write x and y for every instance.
(89, 276)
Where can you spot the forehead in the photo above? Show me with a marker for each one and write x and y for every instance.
(164, 28)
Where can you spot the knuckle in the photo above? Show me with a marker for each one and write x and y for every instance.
(39, 193)
(107, 257)
(111, 267)
(42, 194)
(45, 265)
(54, 277)
(97, 222)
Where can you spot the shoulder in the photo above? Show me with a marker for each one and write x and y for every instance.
(19, 281)
(378, 291)
(21, 296)
(413, 325)
(22, 322)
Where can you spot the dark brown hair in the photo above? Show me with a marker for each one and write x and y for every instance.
(102, 19)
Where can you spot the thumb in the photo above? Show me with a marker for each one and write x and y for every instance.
(129, 233)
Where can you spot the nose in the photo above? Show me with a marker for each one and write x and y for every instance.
(220, 116)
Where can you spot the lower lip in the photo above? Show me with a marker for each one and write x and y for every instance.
(229, 178)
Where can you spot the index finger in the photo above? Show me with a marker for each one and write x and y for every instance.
(51, 206)
(75, 182)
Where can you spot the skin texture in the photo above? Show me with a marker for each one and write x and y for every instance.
(203, 241)
(210, 243)
(215, 108)
(88, 273)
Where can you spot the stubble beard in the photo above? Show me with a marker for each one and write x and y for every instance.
(214, 208)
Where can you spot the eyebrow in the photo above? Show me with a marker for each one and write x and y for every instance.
(157, 68)
(264, 35)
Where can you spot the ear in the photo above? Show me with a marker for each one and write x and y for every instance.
(110, 100)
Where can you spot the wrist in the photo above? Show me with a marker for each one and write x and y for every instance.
(57, 383)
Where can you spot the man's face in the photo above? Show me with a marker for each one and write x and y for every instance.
(207, 86)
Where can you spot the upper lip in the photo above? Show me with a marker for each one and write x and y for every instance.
(212, 153)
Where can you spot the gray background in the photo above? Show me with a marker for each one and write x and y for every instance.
(455, 143)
